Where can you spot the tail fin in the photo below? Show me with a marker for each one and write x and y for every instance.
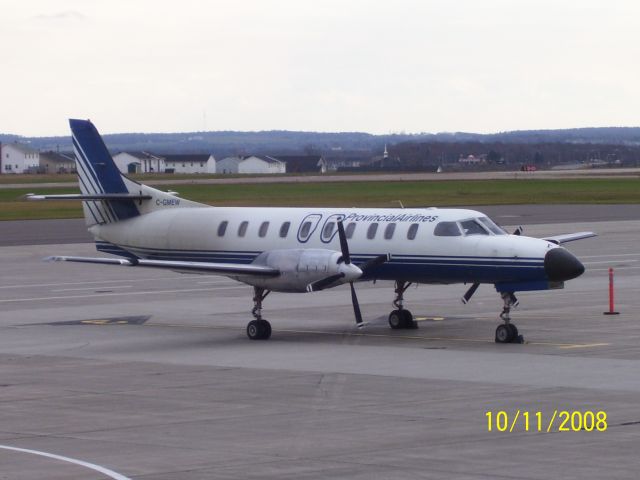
(107, 195)
(97, 175)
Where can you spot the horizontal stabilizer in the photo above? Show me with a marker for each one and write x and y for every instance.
(88, 198)
(202, 267)
(569, 237)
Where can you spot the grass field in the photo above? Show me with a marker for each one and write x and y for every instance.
(360, 194)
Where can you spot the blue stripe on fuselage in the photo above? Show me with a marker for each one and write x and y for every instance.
(417, 268)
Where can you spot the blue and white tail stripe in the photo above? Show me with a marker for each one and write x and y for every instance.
(99, 174)
(101, 211)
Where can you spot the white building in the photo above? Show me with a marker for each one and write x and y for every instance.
(139, 162)
(188, 163)
(18, 158)
(55, 162)
(228, 165)
(252, 164)
(261, 164)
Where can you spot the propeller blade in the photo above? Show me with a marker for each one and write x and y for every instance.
(374, 262)
(344, 246)
(518, 231)
(324, 283)
(356, 305)
(467, 296)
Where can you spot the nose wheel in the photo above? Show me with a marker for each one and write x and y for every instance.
(508, 332)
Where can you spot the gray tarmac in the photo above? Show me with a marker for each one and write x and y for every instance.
(150, 374)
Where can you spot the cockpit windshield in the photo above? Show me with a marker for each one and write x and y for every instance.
(495, 229)
(473, 227)
(447, 229)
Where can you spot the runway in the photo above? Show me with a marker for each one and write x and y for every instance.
(149, 373)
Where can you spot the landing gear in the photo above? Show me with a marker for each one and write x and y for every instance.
(258, 329)
(401, 318)
(508, 332)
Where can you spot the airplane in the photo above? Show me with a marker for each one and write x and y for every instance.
(309, 249)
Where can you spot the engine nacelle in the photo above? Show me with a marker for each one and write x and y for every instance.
(299, 268)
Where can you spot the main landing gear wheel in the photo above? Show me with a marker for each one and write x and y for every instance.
(504, 334)
(402, 319)
(259, 330)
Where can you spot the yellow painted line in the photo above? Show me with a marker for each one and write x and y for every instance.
(431, 319)
(586, 345)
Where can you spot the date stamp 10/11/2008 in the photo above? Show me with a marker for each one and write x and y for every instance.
(558, 421)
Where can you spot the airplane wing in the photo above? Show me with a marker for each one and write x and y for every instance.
(78, 196)
(569, 237)
(200, 267)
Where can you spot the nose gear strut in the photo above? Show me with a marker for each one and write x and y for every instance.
(508, 332)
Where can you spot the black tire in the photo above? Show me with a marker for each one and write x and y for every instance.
(514, 332)
(407, 320)
(253, 330)
(396, 319)
(266, 329)
(503, 334)
(259, 330)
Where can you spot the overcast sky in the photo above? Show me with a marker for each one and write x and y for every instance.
(338, 65)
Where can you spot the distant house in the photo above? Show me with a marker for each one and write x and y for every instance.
(188, 163)
(261, 164)
(350, 162)
(18, 158)
(56, 162)
(304, 163)
(472, 159)
(252, 164)
(228, 165)
(139, 162)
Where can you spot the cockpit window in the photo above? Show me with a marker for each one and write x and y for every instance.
(473, 227)
(447, 229)
(495, 229)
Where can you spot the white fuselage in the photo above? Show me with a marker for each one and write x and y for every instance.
(419, 253)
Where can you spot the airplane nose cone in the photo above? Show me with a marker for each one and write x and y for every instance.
(561, 265)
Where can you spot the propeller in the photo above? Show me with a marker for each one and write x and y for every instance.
(356, 272)
(467, 296)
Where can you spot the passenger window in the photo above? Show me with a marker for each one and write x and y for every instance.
(388, 232)
(284, 229)
(471, 227)
(222, 228)
(264, 227)
(447, 229)
(327, 231)
(413, 231)
(371, 231)
(306, 226)
(351, 228)
(242, 229)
